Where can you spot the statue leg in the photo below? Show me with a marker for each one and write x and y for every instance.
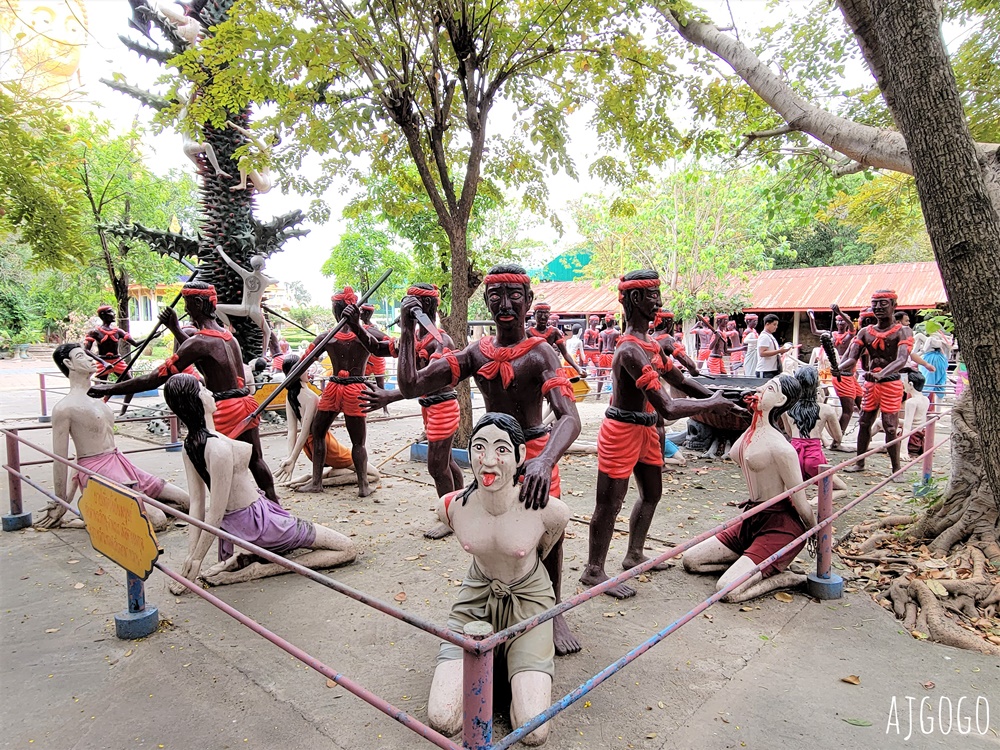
(128, 397)
(174, 495)
(357, 428)
(890, 423)
(610, 496)
(864, 439)
(320, 426)
(531, 693)
(258, 466)
(444, 704)
(709, 556)
(847, 411)
(756, 585)
(440, 466)
(214, 160)
(650, 481)
(564, 640)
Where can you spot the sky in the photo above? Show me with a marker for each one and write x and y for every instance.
(301, 260)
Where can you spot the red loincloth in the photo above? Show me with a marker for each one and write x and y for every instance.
(605, 360)
(534, 448)
(847, 386)
(885, 397)
(342, 397)
(441, 420)
(703, 354)
(620, 446)
(715, 364)
(115, 466)
(230, 413)
(811, 455)
(737, 357)
(338, 456)
(375, 366)
(760, 536)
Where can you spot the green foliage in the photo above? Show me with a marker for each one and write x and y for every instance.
(886, 213)
(701, 230)
(39, 201)
(934, 320)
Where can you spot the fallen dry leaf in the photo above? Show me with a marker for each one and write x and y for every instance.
(851, 679)
(937, 588)
(400, 597)
(331, 684)
(72, 562)
(651, 736)
(52, 630)
(660, 704)
(411, 558)
(784, 596)
(746, 609)
(128, 653)
(609, 614)
(100, 572)
(927, 685)
(78, 585)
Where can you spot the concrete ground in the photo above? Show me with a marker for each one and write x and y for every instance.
(764, 675)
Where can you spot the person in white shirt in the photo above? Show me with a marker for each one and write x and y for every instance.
(574, 348)
(768, 351)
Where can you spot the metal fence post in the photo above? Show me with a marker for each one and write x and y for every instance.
(17, 519)
(174, 446)
(477, 700)
(44, 418)
(824, 583)
(929, 444)
(140, 619)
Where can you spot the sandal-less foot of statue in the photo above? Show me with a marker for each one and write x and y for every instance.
(591, 578)
(855, 468)
(631, 560)
(310, 487)
(438, 532)
(563, 638)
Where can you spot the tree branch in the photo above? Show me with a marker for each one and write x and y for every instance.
(757, 135)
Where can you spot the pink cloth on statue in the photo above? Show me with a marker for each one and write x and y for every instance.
(268, 525)
(811, 455)
(116, 467)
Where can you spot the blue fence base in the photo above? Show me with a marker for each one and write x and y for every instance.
(825, 588)
(17, 522)
(174, 447)
(45, 419)
(418, 452)
(132, 625)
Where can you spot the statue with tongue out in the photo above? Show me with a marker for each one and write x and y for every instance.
(507, 582)
(516, 375)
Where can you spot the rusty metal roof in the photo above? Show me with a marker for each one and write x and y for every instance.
(577, 297)
(918, 285)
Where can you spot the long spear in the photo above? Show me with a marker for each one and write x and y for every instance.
(282, 317)
(318, 351)
(152, 334)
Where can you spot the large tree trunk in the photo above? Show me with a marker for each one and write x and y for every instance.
(901, 40)
(456, 322)
(968, 509)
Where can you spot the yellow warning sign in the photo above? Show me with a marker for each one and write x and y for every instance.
(118, 528)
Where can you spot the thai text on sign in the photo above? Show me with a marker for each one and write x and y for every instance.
(118, 528)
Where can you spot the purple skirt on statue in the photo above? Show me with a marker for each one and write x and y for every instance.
(268, 525)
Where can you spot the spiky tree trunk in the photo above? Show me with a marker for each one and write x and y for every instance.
(227, 216)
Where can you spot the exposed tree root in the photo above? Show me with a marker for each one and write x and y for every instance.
(941, 628)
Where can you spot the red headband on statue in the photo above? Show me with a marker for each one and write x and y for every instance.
(664, 315)
(507, 278)
(368, 308)
(347, 296)
(627, 286)
(416, 291)
(542, 306)
(594, 318)
(209, 293)
(888, 294)
(105, 308)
